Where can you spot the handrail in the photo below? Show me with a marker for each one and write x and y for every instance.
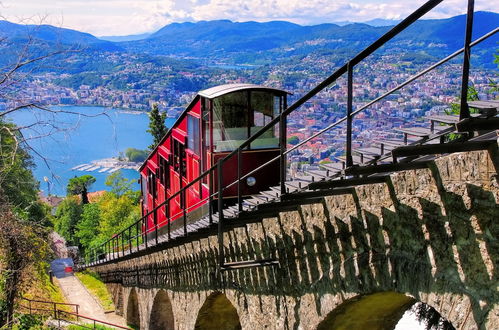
(79, 316)
(53, 304)
(281, 119)
(48, 302)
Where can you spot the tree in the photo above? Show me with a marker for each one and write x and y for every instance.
(80, 186)
(88, 225)
(67, 216)
(19, 187)
(157, 126)
(22, 246)
(136, 155)
(119, 184)
(117, 213)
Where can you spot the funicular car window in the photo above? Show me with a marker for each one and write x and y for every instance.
(164, 177)
(151, 184)
(193, 137)
(263, 106)
(179, 162)
(144, 184)
(237, 116)
(230, 120)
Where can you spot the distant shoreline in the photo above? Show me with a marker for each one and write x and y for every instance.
(119, 109)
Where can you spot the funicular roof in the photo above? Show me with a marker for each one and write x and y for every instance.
(229, 88)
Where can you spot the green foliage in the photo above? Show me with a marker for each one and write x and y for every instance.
(18, 187)
(80, 185)
(88, 224)
(98, 289)
(455, 108)
(136, 155)
(26, 321)
(117, 213)
(67, 216)
(157, 126)
(119, 184)
(293, 140)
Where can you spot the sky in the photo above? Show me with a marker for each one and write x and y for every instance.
(125, 17)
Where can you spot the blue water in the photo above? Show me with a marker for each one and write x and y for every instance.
(81, 139)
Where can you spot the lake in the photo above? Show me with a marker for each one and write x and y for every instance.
(87, 134)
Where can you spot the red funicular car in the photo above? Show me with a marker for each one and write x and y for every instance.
(216, 122)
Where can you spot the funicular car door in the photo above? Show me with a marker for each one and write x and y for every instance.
(193, 154)
(151, 195)
(178, 175)
(163, 184)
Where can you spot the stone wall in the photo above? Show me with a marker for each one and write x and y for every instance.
(430, 234)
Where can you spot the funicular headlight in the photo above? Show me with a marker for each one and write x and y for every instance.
(250, 181)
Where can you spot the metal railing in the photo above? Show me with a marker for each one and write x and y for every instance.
(38, 306)
(33, 307)
(87, 325)
(137, 236)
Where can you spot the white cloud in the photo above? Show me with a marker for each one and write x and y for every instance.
(120, 17)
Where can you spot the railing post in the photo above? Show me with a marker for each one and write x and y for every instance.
(55, 311)
(184, 210)
(210, 197)
(282, 159)
(221, 257)
(130, 239)
(122, 243)
(465, 111)
(146, 222)
(137, 235)
(29, 304)
(155, 218)
(77, 314)
(349, 160)
(168, 218)
(239, 197)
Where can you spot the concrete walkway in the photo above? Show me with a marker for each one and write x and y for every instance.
(76, 293)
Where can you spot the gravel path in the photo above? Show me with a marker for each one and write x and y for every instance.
(76, 293)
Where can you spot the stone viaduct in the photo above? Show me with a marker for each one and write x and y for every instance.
(350, 261)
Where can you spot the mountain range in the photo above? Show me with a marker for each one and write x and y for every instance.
(206, 47)
(224, 38)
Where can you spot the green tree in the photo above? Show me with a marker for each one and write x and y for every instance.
(67, 216)
(22, 246)
(136, 155)
(117, 213)
(80, 186)
(88, 225)
(17, 184)
(119, 184)
(157, 126)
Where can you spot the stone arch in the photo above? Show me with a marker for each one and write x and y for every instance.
(377, 311)
(217, 313)
(161, 312)
(132, 310)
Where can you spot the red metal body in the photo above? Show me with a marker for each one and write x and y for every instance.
(214, 124)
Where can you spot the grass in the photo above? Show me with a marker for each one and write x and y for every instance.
(97, 288)
(43, 289)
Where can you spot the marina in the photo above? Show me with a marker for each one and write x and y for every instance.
(107, 165)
